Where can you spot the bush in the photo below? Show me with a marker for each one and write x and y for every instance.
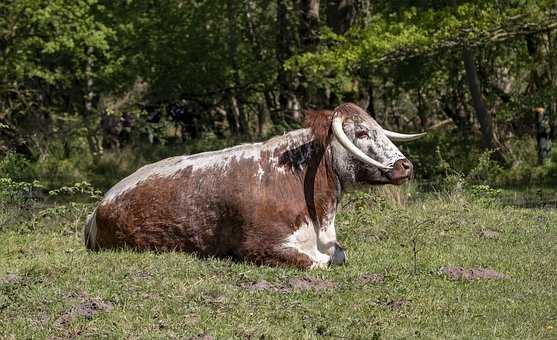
(484, 194)
(486, 171)
(17, 168)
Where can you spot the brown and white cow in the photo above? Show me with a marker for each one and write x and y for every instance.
(268, 203)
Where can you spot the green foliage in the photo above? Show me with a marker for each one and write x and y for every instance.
(484, 194)
(16, 192)
(81, 188)
(486, 170)
(408, 30)
(132, 61)
(17, 167)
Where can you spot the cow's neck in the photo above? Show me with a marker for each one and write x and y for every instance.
(322, 187)
(313, 165)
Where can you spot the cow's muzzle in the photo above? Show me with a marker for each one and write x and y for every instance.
(402, 171)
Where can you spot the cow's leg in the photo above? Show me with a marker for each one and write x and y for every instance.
(311, 258)
(288, 257)
(90, 232)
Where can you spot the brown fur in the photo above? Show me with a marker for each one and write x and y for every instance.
(320, 124)
(320, 121)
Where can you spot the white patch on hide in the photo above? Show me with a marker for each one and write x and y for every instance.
(318, 243)
(327, 238)
(260, 173)
(304, 240)
(343, 163)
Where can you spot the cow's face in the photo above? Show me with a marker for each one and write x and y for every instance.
(376, 160)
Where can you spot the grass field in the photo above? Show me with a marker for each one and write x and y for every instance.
(402, 279)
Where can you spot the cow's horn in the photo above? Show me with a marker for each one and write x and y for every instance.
(402, 137)
(353, 149)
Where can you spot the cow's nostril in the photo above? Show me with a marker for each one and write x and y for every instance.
(406, 165)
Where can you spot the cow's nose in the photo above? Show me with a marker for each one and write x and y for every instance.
(405, 165)
(402, 170)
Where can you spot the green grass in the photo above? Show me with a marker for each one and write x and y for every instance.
(50, 286)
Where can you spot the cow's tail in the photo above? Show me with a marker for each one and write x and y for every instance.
(90, 231)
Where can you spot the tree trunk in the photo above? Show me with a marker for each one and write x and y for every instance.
(289, 105)
(232, 114)
(543, 134)
(264, 113)
(308, 33)
(340, 15)
(542, 80)
(483, 116)
(370, 108)
(309, 24)
(237, 102)
(95, 146)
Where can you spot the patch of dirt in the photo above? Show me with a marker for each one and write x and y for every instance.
(10, 278)
(202, 337)
(87, 308)
(488, 233)
(464, 274)
(293, 284)
(306, 283)
(372, 279)
(259, 285)
(142, 275)
(397, 304)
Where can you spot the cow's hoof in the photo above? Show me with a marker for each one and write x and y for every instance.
(339, 256)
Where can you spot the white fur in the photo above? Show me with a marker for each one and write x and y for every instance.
(384, 150)
(327, 235)
(317, 242)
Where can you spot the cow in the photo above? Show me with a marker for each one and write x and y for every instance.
(270, 203)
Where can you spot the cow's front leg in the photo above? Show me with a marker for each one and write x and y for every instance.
(281, 256)
(306, 241)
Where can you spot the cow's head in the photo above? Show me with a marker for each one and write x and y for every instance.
(363, 152)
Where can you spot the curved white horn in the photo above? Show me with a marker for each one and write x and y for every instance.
(402, 137)
(353, 149)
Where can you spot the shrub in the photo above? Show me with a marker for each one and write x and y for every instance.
(484, 194)
(17, 167)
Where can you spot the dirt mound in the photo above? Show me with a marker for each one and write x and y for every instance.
(306, 283)
(372, 279)
(259, 285)
(397, 304)
(464, 274)
(87, 308)
(488, 233)
(293, 284)
(10, 278)
(202, 337)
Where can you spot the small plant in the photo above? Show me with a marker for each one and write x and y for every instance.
(486, 170)
(79, 188)
(484, 194)
(12, 191)
(16, 167)
(453, 183)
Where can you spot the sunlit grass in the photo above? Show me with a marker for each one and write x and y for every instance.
(51, 286)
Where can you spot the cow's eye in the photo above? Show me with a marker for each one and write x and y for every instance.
(362, 135)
